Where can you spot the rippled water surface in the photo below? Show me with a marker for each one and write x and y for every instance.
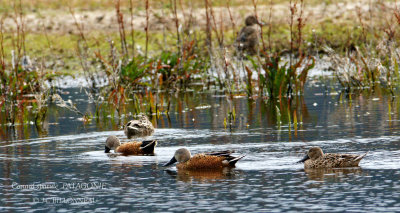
(65, 168)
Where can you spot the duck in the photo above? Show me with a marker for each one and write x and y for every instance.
(139, 128)
(130, 148)
(315, 158)
(203, 161)
(247, 39)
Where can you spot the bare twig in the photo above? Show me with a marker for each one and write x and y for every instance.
(132, 28)
(231, 17)
(147, 27)
(174, 11)
(208, 27)
(121, 28)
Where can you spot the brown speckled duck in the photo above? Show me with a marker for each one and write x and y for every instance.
(130, 148)
(316, 158)
(203, 161)
(247, 40)
(139, 128)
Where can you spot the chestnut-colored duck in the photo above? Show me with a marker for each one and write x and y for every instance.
(130, 148)
(203, 161)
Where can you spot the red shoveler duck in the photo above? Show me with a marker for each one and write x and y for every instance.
(203, 161)
(130, 148)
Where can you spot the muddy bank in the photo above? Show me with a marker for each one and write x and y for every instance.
(61, 21)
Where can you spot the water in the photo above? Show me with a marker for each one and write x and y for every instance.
(64, 168)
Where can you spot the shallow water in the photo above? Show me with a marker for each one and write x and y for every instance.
(67, 169)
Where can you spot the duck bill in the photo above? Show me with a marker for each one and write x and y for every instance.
(172, 161)
(304, 159)
(107, 150)
(133, 128)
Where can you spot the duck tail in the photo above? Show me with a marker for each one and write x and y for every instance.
(234, 160)
(148, 146)
(360, 157)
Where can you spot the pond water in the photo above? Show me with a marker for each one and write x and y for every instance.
(65, 169)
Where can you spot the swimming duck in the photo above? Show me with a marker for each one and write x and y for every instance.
(247, 40)
(130, 148)
(316, 158)
(138, 128)
(203, 161)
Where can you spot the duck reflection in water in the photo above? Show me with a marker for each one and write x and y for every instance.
(338, 174)
(208, 176)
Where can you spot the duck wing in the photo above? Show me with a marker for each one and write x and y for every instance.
(350, 157)
(220, 153)
(231, 160)
(344, 160)
(148, 146)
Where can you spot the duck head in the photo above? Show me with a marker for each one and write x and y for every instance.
(140, 127)
(252, 20)
(181, 155)
(313, 153)
(112, 142)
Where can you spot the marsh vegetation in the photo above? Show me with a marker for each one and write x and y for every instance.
(133, 55)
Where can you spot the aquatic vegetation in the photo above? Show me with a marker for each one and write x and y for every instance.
(184, 45)
(367, 65)
(22, 88)
(368, 69)
(175, 67)
(280, 79)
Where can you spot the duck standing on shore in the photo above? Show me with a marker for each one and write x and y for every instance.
(247, 39)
